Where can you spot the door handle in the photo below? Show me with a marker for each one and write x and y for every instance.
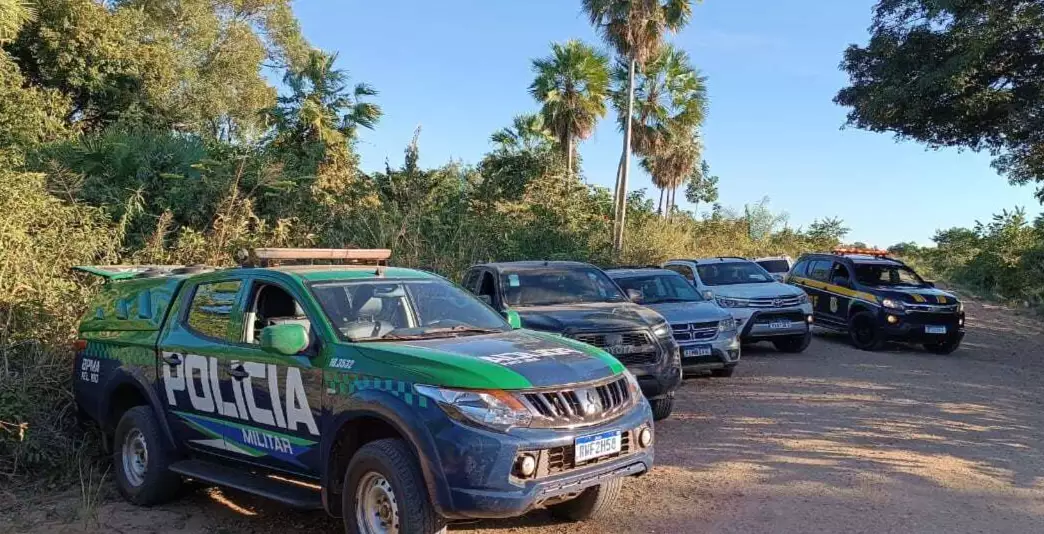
(238, 372)
(173, 360)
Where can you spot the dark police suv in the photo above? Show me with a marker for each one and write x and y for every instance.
(389, 397)
(875, 298)
(580, 301)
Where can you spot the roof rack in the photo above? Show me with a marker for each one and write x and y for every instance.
(267, 257)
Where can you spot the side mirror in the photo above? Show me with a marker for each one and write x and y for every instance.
(930, 283)
(486, 298)
(513, 319)
(284, 339)
(634, 295)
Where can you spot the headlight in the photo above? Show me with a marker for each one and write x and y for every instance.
(732, 303)
(491, 408)
(727, 324)
(708, 294)
(632, 383)
(960, 307)
(662, 331)
(892, 304)
(803, 298)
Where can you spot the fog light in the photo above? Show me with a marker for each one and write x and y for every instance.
(960, 322)
(527, 465)
(809, 319)
(892, 319)
(645, 437)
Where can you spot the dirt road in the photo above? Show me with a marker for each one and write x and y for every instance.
(832, 440)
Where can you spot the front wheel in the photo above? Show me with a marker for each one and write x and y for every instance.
(864, 333)
(593, 503)
(384, 492)
(794, 344)
(944, 347)
(662, 407)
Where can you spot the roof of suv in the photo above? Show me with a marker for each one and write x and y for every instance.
(856, 258)
(532, 264)
(628, 272)
(718, 259)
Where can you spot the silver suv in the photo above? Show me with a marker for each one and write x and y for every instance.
(765, 309)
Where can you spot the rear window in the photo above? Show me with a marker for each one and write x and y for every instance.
(211, 311)
(775, 266)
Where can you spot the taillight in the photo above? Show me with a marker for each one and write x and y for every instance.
(79, 345)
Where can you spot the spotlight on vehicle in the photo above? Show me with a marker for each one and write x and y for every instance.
(645, 437)
(892, 319)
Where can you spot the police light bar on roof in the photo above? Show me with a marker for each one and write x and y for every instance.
(375, 255)
(863, 251)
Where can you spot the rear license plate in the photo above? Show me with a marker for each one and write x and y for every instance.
(934, 329)
(698, 350)
(598, 445)
(780, 324)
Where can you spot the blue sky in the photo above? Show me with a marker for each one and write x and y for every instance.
(461, 69)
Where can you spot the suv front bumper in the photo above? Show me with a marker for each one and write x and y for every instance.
(912, 327)
(725, 352)
(756, 324)
(478, 465)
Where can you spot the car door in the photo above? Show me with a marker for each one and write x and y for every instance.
(818, 273)
(194, 351)
(837, 293)
(282, 394)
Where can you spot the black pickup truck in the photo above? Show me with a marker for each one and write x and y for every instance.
(580, 301)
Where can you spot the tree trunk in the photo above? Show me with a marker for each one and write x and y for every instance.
(659, 210)
(616, 191)
(621, 201)
(569, 154)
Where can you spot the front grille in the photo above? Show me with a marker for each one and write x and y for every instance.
(931, 308)
(631, 348)
(561, 459)
(765, 318)
(581, 405)
(689, 332)
(776, 302)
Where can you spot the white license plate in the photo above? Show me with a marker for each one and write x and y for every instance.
(598, 445)
(934, 329)
(778, 325)
(699, 350)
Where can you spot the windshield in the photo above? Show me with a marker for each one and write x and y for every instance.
(733, 272)
(659, 288)
(555, 285)
(775, 266)
(887, 275)
(386, 310)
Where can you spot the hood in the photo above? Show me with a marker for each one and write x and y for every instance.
(518, 359)
(753, 291)
(690, 312)
(588, 317)
(916, 295)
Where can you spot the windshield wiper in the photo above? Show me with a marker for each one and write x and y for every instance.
(451, 331)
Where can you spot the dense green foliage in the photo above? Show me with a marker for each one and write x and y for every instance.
(959, 73)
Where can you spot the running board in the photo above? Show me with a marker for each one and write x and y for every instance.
(293, 493)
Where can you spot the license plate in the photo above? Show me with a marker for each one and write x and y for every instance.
(698, 350)
(779, 324)
(598, 445)
(935, 329)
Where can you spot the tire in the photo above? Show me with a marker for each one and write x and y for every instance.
(141, 456)
(662, 407)
(945, 347)
(592, 503)
(724, 373)
(391, 472)
(794, 344)
(864, 333)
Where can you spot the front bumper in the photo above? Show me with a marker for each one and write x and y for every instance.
(478, 465)
(758, 324)
(912, 327)
(725, 352)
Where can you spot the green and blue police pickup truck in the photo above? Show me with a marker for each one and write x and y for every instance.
(389, 397)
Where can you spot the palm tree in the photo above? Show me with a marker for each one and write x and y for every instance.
(527, 133)
(13, 15)
(635, 29)
(572, 84)
(669, 105)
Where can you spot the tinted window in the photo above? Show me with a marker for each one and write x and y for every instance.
(659, 288)
(819, 270)
(470, 280)
(801, 269)
(558, 285)
(887, 275)
(682, 270)
(775, 266)
(211, 311)
(733, 272)
(840, 272)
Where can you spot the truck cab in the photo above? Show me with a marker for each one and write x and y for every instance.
(386, 396)
(580, 301)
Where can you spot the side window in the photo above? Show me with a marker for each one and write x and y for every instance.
(801, 269)
(840, 273)
(210, 313)
(487, 286)
(819, 270)
(683, 270)
(470, 280)
(272, 305)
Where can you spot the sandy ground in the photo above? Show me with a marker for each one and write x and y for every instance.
(832, 440)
